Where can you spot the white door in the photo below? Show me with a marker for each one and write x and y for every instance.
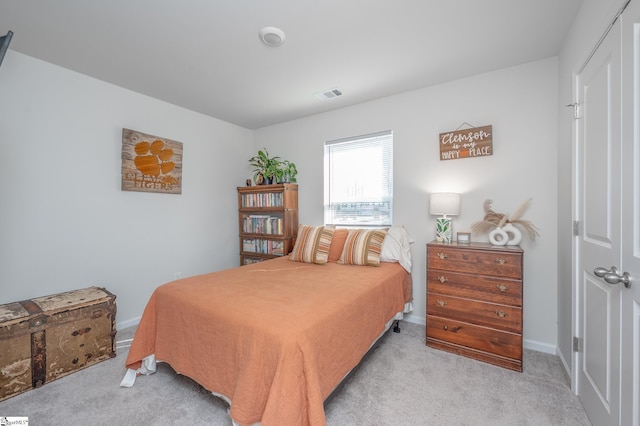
(598, 184)
(630, 389)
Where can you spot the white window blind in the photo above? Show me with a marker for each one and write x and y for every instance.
(359, 180)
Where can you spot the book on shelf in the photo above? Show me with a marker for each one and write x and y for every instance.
(264, 199)
(262, 224)
(262, 246)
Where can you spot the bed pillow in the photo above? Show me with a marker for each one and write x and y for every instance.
(363, 247)
(337, 244)
(397, 247)
(312, 244)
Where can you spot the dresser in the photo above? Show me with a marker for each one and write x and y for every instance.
(474, 301)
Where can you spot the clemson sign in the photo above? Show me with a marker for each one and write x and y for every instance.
(474, 142)
(151, 163)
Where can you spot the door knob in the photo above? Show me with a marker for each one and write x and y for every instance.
(600, 272)
(611, 276)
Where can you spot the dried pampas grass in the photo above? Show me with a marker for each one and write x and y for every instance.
(492, 220)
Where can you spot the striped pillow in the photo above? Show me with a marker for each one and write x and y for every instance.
(363, 247)
(312, 244)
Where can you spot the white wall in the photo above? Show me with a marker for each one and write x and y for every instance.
(590, 24)
(520, 103)
(65, 223)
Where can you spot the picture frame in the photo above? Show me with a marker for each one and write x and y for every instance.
(463, 237)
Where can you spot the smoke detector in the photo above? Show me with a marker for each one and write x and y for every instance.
(272, 36)
(328, 94)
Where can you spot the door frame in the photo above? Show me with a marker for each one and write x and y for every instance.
(630, 314)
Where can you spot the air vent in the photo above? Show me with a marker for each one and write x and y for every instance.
(328, 94)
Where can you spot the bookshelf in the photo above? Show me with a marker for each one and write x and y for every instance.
(267, 221)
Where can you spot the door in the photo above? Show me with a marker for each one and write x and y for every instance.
(630, 389)
(598, 185)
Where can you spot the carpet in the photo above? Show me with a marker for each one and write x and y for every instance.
(400, 382)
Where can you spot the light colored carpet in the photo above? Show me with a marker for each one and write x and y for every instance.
(400, 382)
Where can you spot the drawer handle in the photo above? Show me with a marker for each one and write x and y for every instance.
(442, 256)
(443, 279)
(445, 328)
(501, 314)
(503, 288)
(442, 303)
(501, 261)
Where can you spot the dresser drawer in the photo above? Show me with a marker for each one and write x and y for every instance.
(480, 338)
(500, 262)
(479, 287)
(502, 317)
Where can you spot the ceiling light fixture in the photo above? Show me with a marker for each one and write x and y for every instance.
(272, 36)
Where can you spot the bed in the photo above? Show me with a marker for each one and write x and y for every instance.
(275, 338)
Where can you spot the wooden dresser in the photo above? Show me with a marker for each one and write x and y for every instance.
(474, 301)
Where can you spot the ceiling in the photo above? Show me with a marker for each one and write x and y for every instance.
(206, 56)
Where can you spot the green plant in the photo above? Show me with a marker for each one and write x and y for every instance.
(273, 171)
(264, 166)
(289, 171)
(267, 169)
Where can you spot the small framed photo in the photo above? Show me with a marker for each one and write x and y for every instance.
(464, 237)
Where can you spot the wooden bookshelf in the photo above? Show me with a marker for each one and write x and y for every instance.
(267, 221)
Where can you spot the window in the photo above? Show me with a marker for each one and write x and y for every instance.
(358, 181)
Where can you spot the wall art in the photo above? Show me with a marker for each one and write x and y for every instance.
(151, 163)
(473, 142)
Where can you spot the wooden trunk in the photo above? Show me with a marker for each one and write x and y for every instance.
(46, 338)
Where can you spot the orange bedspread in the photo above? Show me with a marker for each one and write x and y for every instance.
(274, 337)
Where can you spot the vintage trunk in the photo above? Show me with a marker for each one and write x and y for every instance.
(48, 337)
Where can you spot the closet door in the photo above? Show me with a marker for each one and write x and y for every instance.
(630, 389)
(598, 183)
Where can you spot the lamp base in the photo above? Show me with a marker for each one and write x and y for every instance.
(444, 232)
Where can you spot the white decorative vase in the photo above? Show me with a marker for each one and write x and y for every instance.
(498, 237)
(506, 235)
(515, 234)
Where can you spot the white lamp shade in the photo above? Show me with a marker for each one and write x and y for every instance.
(445, 204)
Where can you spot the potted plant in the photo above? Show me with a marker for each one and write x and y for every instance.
(272, 171)
(288, 172)
(264, 167)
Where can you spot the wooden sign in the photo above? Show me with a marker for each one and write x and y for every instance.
(151, 163)
(474, 142)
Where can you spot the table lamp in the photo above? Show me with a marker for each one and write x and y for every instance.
(445, 204)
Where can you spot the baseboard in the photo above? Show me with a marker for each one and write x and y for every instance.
(415, 319)
(128, 323)
(540, 347)
(565, 365)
